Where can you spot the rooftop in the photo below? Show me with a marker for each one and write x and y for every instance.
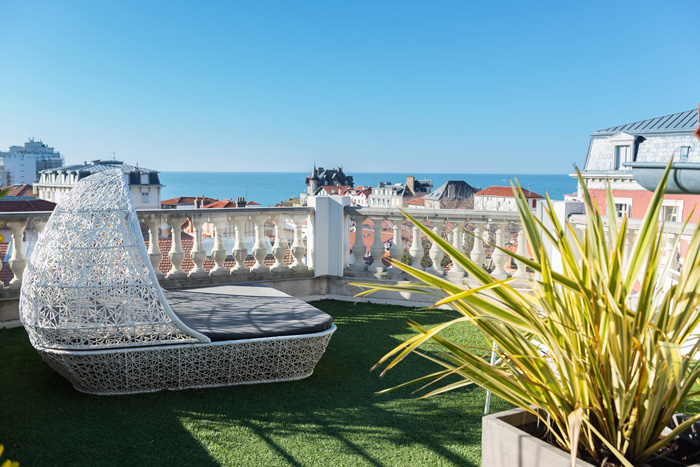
(506, 192)
(100, 166)
(686, 121)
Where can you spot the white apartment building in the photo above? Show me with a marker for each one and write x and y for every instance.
(144, 184)
(24, 163)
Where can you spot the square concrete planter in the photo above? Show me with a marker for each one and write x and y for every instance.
(504, 444)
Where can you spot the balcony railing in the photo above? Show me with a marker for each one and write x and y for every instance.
(193, 247)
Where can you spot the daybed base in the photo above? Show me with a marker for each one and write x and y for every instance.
(185, 366)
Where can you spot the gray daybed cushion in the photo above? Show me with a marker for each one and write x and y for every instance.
(245, 311)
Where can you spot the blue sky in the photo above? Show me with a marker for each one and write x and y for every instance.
(402, 86)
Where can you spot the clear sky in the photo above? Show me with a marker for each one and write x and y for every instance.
(375, 86)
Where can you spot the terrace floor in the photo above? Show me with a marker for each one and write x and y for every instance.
(330, 418)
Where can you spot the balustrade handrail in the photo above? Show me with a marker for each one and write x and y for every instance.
(674, 228)
(423, 213)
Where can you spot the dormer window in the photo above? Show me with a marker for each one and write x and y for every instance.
(622, 155)
(684, 153)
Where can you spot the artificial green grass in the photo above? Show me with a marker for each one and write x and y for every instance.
(332, 418)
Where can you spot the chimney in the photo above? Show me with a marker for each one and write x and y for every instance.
(410, 183)
(240, 202)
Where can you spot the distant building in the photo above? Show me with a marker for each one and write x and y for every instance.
(359, 196)
(653, 140)
(186, 202)
(26, 162)
(144, 183)
(5, 175)
(386, 195)
(320, 178)
(453, 194)
(500, 198)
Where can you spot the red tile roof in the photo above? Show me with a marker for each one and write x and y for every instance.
(417, 201)
(186, 200)
(506, 192)
(227, 203)
(19, 190)
(336, 189)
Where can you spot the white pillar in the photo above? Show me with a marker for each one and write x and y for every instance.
(240, 252)
(377, 249)
(298, 247)
(359, 249)
(259, 250)
(521, 273)
(396, 251)
(499, 257)
(457, 273)
(176, 254)
(17, 261)
(154, 253)
(416, 250)
(218, 252)
(478, 255)
(198, 255)
(328, 236)
(279, 249)
(436, 254)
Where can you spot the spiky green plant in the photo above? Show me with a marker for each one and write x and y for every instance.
(604, 375)
(7, 462)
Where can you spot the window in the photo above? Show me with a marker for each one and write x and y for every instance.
(623, 209)
(669, 213)
(622, 155)
(685, 152)
(144, 179)
(671, 210)
(144, 198)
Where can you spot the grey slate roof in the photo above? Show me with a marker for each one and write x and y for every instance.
(100, 166)
(452, 190)
(678, 122)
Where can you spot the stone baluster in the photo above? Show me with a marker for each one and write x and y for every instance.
(627, 248)
(377, 249)
(478, 254)
(240, 252)
(198, 255)
(521, 250)
(670, 252)
(499, 257)
(359, 249)
(396, 251)
(155, 256)
(457, 273)
(176, 253)
(259, 250)
(279, 249)
(218, 252)
(416, 250)
(298, 247)
(17, 261)
(436, 254)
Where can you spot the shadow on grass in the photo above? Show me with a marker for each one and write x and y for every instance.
(332, 417)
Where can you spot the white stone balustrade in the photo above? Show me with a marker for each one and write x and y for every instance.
(217, 237)
(454, 225)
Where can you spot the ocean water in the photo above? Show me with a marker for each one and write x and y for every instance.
(269, 188)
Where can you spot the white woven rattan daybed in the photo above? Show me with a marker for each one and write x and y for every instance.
(94, 310)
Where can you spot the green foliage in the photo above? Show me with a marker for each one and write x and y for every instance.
(605, 375)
